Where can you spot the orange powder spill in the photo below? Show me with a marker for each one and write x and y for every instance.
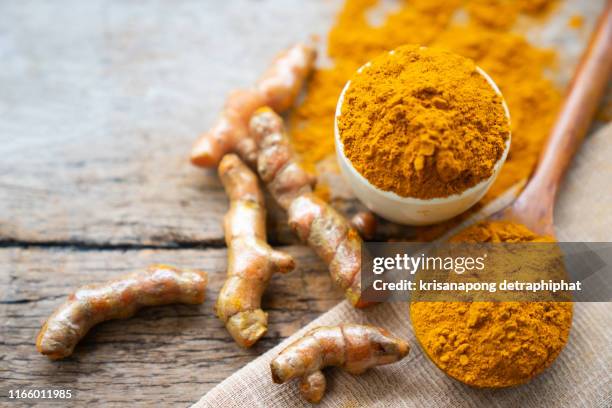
(576, 22)
(514, 64)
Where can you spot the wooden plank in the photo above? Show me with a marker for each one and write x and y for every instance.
(164, 356)
(101, 102)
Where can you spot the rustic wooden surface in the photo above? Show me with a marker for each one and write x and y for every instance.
(102, 100)
(99, 104)
(164, 355)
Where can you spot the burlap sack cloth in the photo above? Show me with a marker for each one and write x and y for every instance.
(581, 376)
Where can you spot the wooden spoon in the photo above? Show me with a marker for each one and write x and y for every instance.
(534, 206)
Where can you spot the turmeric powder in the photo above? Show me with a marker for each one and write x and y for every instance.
(576, 21)
(502, 14)
(493, 344)
(423, 123)
(499, 231)
(515, 65)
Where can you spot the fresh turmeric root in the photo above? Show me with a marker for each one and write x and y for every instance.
(116, 299)
(326, 231)
(277, 88)
(251, 261)
(353, 347)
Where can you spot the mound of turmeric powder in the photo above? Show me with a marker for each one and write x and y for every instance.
(422, 122)
(515, 65)
(487, 344)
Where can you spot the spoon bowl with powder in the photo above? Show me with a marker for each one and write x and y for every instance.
(487, 356)
(421, 134)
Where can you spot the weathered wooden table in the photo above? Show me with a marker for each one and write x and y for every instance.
(100, 102)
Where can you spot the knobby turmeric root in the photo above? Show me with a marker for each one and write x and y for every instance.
(326, 231)
(251, 261)
(277, 88)
(353, 347)
(117, 299)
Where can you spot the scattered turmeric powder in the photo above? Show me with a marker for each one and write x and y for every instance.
(499, 231)
(514, 64)
(423, 123)
(518, 69)
(576, 21)
(355, 348)
(493, 344)
(251, 261)
(501, 14)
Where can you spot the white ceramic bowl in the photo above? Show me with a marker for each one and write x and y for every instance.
(408, 210)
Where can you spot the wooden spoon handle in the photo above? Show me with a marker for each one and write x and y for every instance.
(585, 91)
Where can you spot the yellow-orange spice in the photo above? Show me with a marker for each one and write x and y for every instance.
(422, 122)
(514, 64)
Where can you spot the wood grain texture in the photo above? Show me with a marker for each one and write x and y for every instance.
(164, 356)
(102, 100)
(100, 103)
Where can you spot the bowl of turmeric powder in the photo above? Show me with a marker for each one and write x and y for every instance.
(421, 134)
